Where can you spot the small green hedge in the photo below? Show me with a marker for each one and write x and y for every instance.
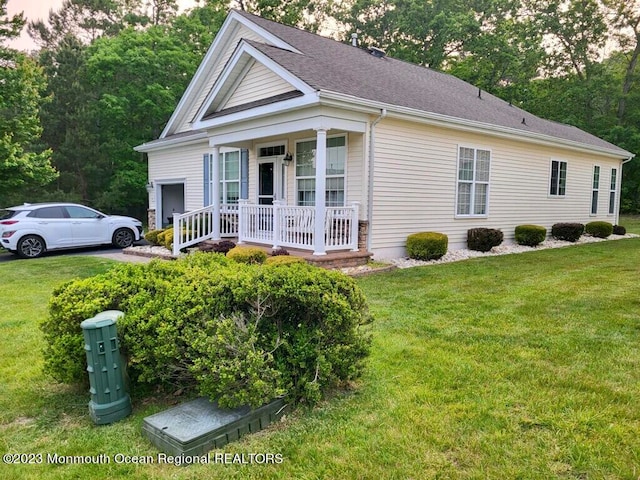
(239, 334)
(484, 239)
(619, 230)
(599, 229)
(152, 236)
(427, 245)
(569, 232)
(530, 235)
(249, 255)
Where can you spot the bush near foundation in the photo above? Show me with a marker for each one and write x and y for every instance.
(599, 229)
(483, 239)
(619, 230)
(530, 235)
(248, 255)
(427, 245)
(236, 333)
(283, 260)
(152, 236)
(569, 232)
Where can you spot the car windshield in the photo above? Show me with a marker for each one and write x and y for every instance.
(5, 214)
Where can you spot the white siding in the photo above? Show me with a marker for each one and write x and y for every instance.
(184, 162)
(258, 83)
(415, 185)
(221, 61)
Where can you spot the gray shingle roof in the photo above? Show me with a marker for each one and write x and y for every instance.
(331, 66)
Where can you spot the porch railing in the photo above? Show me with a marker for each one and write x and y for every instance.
(294, 226)
(278, 225)
(196, 226)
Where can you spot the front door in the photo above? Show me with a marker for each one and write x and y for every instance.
(266, 183)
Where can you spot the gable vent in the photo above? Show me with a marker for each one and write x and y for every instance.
(377, 52)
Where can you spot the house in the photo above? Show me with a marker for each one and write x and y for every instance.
(274, 115)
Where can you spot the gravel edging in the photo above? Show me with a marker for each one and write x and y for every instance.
(465, 254)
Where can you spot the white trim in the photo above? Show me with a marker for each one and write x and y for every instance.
(343, 176)
(420, 116)
(158, 184)
(245, 56)
(566, 179)
(597, 190)
(224, 35)
(257, 112)
(273, 128)
(163, 144)
(473, 183)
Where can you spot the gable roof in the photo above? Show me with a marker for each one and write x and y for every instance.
(352, 76)
(330, 66)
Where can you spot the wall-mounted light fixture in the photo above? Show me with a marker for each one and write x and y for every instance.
(288, 158)
(149, 187)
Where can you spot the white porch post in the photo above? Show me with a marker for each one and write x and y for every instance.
(355, 206)
(242, 220)
(319, 244)
(215, 192)
(277, 230)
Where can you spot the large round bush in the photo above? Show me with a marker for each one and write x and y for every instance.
(237, 333)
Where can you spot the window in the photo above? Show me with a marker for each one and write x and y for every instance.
(230, 177)
(595, 188)
(612, 191)
(558, 185)
(230, 171)
(473, 181)
(49, 212)
(306, 171)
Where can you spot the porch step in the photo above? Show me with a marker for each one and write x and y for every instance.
(339, 259)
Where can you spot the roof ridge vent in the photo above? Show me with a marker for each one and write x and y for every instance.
(377, 52)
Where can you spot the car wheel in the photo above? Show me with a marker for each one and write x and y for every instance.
(123, 238)
(31, 246)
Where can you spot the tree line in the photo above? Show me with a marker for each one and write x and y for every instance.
(107, 74)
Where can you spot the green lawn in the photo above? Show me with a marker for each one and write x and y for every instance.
(518, 366)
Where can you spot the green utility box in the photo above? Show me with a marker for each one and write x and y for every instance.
(109, 400)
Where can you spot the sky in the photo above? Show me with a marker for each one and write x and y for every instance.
(39, 9)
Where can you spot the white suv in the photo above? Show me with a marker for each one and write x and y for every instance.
(31, 229)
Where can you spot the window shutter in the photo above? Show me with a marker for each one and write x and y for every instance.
(244, 174)
(207, 180)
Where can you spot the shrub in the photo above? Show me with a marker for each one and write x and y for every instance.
(279, 251)
(530, 235)
(223, 246)
(619, 230)
(152, 236)
(250, 255)
(483, 239)
(427, 245)
(283, 260)
(599, 229)
(235, 333)
(569, 232)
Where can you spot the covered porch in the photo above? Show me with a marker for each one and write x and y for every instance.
(285, 187)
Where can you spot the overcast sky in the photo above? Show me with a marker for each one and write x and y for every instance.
(39, 9)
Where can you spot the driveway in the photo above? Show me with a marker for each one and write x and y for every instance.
(104, 252)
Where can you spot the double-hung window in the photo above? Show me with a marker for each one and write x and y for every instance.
(612, 191)
(595, 189)
(306, 172)
(229, 177)
(473, 181)
(558, 184)
(232, 171)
